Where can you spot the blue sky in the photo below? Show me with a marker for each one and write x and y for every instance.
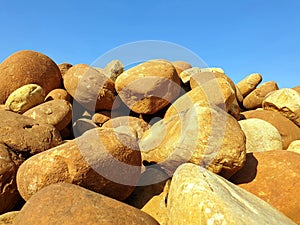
(240, 36)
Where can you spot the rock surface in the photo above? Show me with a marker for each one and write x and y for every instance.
(113, 69)
(28, 67)
(294, 146)
(197, 196)
(8, 218)
(274, 176)
(260, 135)
(286, 101)
(58, 94)
(73, 205)
(101, 160)
(249, 83)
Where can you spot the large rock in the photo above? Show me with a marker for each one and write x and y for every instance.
(113, 69)
(255, 98)
(197, 196)
(294, 146)
(274, 176)
(286, 101)
(8, 218)
(249, 83)
(28, 67)
(9, 163)
(209, 137)
(260, 135)
(25, 98)
(287, 129)
(58, 94)
(89, 87)
(148, 87)
(55, 112)
(25, 135)
(101, 160)
(74, 205)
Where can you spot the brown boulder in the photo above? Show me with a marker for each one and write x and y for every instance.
(101, 160)
(63, 67)
(274, 176)
(8, 218)
(249, 83)
(28, 67)
(297, 88)
(101, 117)
(55, 112)
(74, 205)
(58, 94)
(25, 135)
(287, 129)
(148, 87)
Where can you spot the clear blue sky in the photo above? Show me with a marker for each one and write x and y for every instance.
(240, 36)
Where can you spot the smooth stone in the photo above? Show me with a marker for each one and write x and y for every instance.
(25, 97)
(113, 69)
(59, 93)
(198, 196)
(255, 98)
(100, 118)
(249, 83)
(285, 101)
(101, 160)
(297, 88)
(149, 86)
(8, 218)
(260, 135)
(83, 125)
(181, 66)
(274, 176)
(64, 67)
(55, 112)
(74, 205)
(294, 146)
(24, 135)
(28, 67)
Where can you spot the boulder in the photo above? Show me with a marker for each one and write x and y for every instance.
(249, 83)
(274, 176)
(58, 94)
(198, 196)
(28, 67)
(73, 205)
(8, 218)
(113, 69)
(63, 67)
(294, 146)
(181, 66)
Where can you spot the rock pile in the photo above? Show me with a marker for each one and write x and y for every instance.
(160, 143)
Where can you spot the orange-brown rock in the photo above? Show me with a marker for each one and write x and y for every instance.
(297, 88)
(287, 129)
(8, 218)
(274, 176)
(181, 66)
(58, 94)
(101, 160)
(101, 118)
(113, 69)
(28, 67)
(148, 87)
(74, 205)
(249, 83)
(63, 67)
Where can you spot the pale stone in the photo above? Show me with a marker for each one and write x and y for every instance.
(249, 83)
(197, 196)
(294, 146)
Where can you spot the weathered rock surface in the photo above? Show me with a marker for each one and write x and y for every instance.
(83, 125)
(113, 69)
(101, 160)
(101, 117)
(8, 218)
(63, 67)
(28, 67)
(260, 135)
(197, 196)
(286, 101)
(25, 135)
(148, 87)
(181, 66)
(255, 98)
(294, 146)
(25, 98)
(91, 88)
(73, 205)
(249, 83)
(186, 137)
(287, 129)
(58, 94)
(274, 176)
(55, 112)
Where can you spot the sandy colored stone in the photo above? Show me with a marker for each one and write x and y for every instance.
(260, 135)
(157, 206)
(28, 67)
(285, 101)
(287, 129)
(113, 69)
(2, 107)
(128, 124)
(25, 135)
(101, 160)
(8, 218)
(187, 137)
(25, 98)
(189, 72)
(181, 66)
(255, 98)
(100, 118)
(9, 163)
(63, 67)
(55, 112)
(249, 83)
(58, 94)
(294, 146)
(213, 92)
(82, 125)
(239, 96)
(74, 205)
(235, 109)
(89, 87)
(297, 88)
(274, 176)
(149, 86)
(197, 196)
